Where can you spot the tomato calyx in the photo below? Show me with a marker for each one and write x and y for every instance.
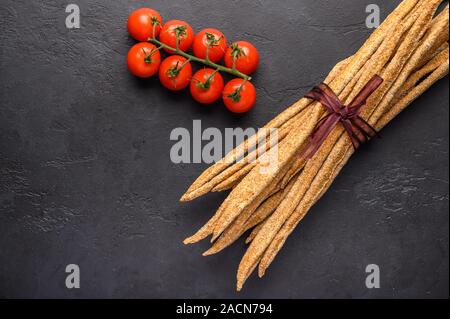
(180, 31)
(236, 96)
(175, 71)
(236, 51)
(211, 42)
(207, 84)
(148, 57)
(155, 21)
(211, 39)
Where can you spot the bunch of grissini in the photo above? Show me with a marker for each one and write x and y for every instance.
(409, 51)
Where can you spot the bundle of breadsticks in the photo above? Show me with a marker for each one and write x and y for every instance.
(409, 51)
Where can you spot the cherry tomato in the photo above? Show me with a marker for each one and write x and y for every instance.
(246, 55)
(206, 86)
(175, 72)
(169, 34)
(140, 23)
(143, 60)
(210, 40)
(239, 96)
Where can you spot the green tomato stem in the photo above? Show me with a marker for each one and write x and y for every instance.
(203, 61)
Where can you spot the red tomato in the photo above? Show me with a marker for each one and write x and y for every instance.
(246, 55)
(140, 23)
(239, 95)
(169, 34)
(143, 60)
(210, 40)
(206, 86)
(175, 72)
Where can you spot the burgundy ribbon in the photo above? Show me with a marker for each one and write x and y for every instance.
(357, 128)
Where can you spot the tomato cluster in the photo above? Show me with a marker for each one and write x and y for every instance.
(209, 46)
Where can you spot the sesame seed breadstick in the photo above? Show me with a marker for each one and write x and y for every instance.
(355, 64)
(376, 62)
(254, 232)
(276, 220)
(254, 182)
(279, 241)
(234, 179)
(413, 94)
(259, 197)
(268, 206)
(408, 63)
(428, 68)
(250, 217)
(257, 181)
(208, 179)
(309, 199)
(408, 46)
(440, 41)
(338, 155)
(442, 28)
(205, 230)
(243, 167)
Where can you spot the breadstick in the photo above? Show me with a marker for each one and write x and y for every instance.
(309, 200)
(274, 223)
(377, 61)
(250, 217)
(409, 62)
(278, 242)
(355, 64)
(414, 78)
(243, 167)
(413, 94)
(254, 183)
(258, 181)
(254, 232)
(214, 174)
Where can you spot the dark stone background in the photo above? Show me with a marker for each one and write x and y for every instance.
(86, 178)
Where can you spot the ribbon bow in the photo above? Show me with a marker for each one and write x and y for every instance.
(357, 128)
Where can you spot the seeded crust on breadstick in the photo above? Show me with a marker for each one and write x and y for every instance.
(373, 42)
(255, 182)
(428, 68)
(250, 217)
(278, 242)
(308, 201)
(269, 230)
(215, 174)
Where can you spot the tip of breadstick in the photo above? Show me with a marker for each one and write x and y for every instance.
(186, 197)
(261, 272)
(214, 237)
(192, 240)
(217, 188)
(187, 241)
(241, 278)
(209, 252)
(192, 194)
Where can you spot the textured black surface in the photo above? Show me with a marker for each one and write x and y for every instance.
(86, 178)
